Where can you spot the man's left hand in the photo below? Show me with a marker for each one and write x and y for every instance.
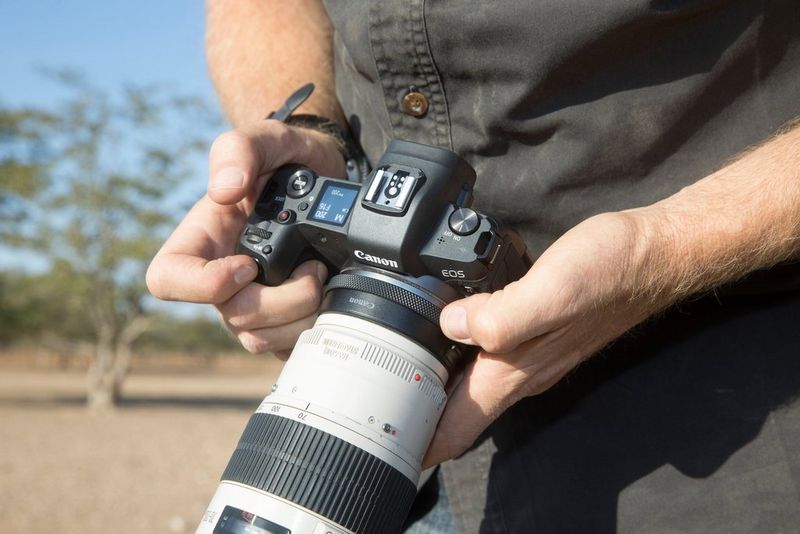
(578, 296)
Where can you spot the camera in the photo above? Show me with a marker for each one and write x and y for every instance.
(337, 445)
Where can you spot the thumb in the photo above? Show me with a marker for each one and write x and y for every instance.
(236, 160)
(239, 158)
(497, 322)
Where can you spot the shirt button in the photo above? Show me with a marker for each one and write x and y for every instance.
(415, 104)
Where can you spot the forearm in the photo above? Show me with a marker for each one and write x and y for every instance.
(742, 218)
(260, 51)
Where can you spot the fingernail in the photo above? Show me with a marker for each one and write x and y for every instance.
(227, 178)
(455, 323)
(243, 274)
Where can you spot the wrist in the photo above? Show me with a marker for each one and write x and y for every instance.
(660, 258)
(688, 248)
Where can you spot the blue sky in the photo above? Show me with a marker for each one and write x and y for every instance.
(113, 44)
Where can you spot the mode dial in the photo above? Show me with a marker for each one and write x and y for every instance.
(464, 221)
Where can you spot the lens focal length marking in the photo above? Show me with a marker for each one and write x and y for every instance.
(401, 459)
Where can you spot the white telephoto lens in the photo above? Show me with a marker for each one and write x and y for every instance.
(338, 443)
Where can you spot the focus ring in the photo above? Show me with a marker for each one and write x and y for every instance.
(405, 298)
(322, 473)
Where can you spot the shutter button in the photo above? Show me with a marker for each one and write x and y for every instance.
(415, 103)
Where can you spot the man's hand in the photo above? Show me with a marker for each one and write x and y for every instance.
(613, 271)
(197, 263)
(578, 296)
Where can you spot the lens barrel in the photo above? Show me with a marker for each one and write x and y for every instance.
(322, 473)
(337, 446)
(408, 306)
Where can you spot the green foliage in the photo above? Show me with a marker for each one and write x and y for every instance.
(36, 306)
(90, 185)
(197, 336)
(23, 163)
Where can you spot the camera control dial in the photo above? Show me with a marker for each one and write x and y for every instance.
(464, 221)
(300, 183)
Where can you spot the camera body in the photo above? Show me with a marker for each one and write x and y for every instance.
(411, 216)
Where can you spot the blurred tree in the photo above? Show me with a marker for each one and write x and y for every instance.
(91, 185)
(198, 335)
(23, 164)
(29, 312)
(30, 315)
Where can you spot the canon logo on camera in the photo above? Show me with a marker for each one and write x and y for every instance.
(375, 259)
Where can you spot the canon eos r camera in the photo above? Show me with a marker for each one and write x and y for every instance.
(337, 445)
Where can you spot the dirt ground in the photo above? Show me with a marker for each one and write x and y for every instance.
(149, 466)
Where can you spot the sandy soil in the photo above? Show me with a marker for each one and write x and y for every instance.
(150, 466)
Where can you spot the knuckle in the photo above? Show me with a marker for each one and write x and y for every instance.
(236, 322)
(253, 343)
(284, 134)
(237, 313)
(231, 140)
(215, 289)
(309, 292)
(490, 332)
(276, 134)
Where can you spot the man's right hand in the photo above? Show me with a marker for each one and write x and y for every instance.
(197, 262)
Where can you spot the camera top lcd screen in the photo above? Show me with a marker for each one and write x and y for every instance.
(335, 202)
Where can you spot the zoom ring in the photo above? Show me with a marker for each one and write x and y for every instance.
(321, 473)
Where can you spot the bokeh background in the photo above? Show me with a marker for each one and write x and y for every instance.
(118, 412)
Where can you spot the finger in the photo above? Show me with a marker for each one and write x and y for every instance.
(499, 322)
(282, 355)
(494, 382)
(185, 268)
(258, 306)
(485, 391)
(194, 279)
(278, 340)
(239, 157)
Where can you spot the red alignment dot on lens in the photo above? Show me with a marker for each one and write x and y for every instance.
(417, 377)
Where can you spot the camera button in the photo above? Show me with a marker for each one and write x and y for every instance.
(267, 249)
(286, 216)
(254, 239)
(303, 206)
(300, 183)
(464, 221)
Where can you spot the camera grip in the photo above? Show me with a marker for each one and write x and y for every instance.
(274, 268)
